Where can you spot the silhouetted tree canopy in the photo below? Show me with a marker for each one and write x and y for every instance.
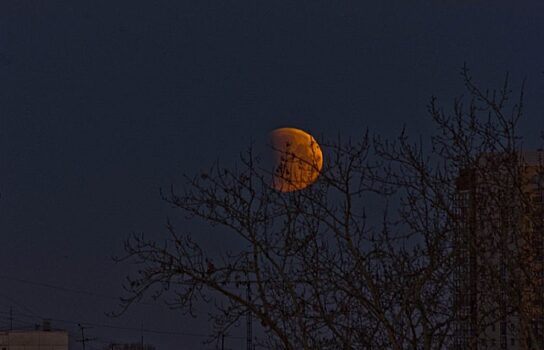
(369, 256)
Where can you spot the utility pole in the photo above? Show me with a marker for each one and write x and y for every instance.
(10, 318)
(83, 339)
(249, 325)
(142, 335)
(82, 335)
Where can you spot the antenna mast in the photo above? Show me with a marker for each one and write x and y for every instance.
(249, 321)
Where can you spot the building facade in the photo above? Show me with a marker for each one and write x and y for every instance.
(499, 292)
(34, 340)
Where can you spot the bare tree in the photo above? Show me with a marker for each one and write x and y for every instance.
(371, 256)
(497, 248)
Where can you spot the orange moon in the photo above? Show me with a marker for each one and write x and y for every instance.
(297, 159)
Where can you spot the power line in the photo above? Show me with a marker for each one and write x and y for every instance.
(70, 290)
(24, 307)
(132, 329)
(98, 325)
(26, 324)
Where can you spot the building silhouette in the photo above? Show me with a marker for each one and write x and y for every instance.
(499, 252)
(41, 338)
(129, 346)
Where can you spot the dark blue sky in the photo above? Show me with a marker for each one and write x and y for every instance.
(103, 102)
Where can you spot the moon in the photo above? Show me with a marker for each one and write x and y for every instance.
(297, 159)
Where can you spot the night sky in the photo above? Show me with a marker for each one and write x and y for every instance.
(102, 103)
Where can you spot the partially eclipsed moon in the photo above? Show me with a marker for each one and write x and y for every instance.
(297, 159)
